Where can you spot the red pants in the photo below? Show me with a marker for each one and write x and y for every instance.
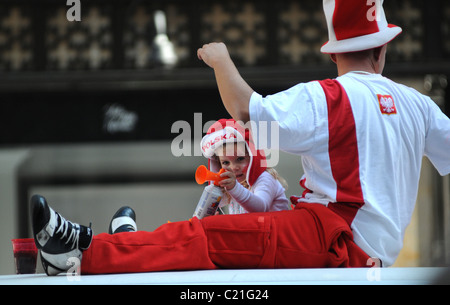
(311, 236)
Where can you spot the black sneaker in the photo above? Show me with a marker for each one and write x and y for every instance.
(60, 242)
(124, 220)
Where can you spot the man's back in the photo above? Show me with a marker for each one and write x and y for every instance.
(395, 127)
(362, 138)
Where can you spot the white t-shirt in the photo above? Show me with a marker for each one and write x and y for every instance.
(266, 194)
(361, 138)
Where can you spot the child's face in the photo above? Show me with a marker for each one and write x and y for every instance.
(235, 160)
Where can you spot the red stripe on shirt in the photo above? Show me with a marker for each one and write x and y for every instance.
(343, 151)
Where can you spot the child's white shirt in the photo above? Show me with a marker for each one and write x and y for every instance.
(266, 194)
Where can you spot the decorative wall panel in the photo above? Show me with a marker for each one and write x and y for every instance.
(125, 34)
(16, 38)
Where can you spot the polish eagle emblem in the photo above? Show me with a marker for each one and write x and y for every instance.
(387, 105)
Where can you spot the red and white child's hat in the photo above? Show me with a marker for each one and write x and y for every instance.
(356, 25)
(229, 131)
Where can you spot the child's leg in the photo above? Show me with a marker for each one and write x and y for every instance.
(173, 246)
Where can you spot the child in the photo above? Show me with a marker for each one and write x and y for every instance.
(260, 189)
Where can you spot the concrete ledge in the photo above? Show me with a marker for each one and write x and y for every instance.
(331, 276)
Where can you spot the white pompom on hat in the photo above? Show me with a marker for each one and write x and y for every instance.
(356, 25)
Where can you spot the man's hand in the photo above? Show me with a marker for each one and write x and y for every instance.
(234, 91)
(213, 53)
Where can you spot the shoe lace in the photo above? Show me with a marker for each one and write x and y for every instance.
(65, 227)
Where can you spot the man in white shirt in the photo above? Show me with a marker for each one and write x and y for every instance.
(361, 136)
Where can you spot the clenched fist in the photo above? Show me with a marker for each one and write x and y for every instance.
(213, 54)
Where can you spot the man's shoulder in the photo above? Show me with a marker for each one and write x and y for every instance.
(378, 80)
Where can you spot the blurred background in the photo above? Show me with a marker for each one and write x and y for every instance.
(87, 107)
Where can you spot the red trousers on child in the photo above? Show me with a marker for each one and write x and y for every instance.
(310, 236)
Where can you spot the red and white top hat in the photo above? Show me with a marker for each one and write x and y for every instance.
(229, 131)
(356, 25)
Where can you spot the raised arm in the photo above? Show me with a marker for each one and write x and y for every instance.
(233, 89)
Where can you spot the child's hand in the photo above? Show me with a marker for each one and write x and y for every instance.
(229, 182)
(213, 53)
